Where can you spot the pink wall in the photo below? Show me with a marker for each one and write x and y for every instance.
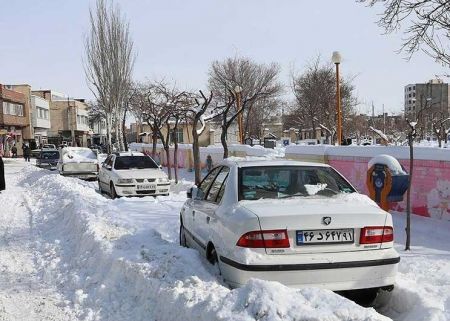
(431, 183)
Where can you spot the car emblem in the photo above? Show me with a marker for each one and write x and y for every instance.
(326, 220)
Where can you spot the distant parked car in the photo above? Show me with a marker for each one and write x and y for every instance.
(132, 174)
(78, 162)
(48, 159)
(36, 152)
(301, 224)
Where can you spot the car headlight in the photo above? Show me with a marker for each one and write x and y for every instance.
(125, 181)
(163, 180)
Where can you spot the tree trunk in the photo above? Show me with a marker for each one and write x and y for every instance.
(108, 133)
(408, 193)
(124, 134)
(223, 140)
(154, 138)
(169, 169)
(196, 152)
(175, 152)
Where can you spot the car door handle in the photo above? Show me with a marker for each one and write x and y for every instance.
(208, 219)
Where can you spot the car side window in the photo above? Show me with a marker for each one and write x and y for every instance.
(206, 183)
(106, 161)
(216, 186)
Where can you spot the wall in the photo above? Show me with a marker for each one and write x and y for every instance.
(430, 193)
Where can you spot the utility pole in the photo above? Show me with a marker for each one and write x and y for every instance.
(384, 121)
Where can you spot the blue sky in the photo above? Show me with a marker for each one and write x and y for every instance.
(42, 43)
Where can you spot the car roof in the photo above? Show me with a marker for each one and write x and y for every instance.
(76, 148)
(267, 162)
(129, 153)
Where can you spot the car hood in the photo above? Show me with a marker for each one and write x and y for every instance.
(141, 173)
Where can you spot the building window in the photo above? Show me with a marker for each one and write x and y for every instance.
(179, 134)
(12, 109)
(414, 87)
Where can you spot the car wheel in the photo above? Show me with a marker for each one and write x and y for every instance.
(113, 191)
(100, 186)
(182, 236)
(363, 297)
(213, 258)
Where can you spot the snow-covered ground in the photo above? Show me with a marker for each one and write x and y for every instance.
(67, 252)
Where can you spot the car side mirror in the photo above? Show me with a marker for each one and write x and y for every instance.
(108, 167)
(192, 192)
(160, 166)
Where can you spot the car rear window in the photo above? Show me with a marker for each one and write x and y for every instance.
(137, 162)
(50, 155)
(277, 182)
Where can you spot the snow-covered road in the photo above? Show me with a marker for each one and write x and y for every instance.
(68, 252)
(23, 294)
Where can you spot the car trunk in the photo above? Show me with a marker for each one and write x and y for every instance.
(302, 215)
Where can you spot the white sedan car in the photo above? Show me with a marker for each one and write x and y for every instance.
(301, 224)
(132, 174)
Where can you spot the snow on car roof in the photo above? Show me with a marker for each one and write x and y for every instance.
(129, 153)
(260, 161)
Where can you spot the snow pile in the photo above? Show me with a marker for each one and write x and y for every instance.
(389, 161)
(422, 291)
(78, 155)
(119, 260)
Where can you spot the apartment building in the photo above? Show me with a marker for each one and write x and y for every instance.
(433, 96)
(40, 119)
(69, 121)
(15, 128)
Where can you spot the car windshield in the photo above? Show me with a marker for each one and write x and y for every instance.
(277, 182)
(80, 153)
(50, 155)
(129, 162)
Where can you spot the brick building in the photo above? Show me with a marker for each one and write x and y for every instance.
(15, 127)
(68, 119)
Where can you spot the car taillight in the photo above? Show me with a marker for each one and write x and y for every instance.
(264, 239)
(376, 234)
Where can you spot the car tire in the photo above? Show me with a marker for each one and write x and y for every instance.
(100, 187)
(183, 241)
(113, 193)
(213, 258)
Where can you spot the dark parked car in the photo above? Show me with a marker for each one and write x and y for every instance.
(48, 158)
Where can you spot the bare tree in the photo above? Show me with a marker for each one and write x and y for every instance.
(196, 114)
(259, 88)
(175, 103)
(108, 64)
(315, 100)
(426, 25)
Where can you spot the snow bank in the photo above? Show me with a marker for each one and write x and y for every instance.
(389, 161)
(399, 152)
(119, 260)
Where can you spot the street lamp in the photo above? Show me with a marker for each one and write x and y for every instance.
(238, 90)
(336, 59)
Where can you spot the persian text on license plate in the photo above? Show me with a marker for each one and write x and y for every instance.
(146, 187)
(325, 236)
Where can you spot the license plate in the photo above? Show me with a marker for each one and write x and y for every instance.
(325, 236)
(146, 187)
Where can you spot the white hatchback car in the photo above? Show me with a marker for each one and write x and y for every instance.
(301, 224)
(132, 174)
